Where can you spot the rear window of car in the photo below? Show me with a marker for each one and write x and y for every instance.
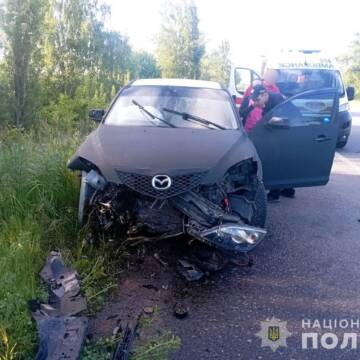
(213, 105)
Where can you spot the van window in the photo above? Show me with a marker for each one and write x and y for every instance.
(242, 79)
(294, 81)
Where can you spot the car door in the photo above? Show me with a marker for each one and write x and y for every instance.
(296, 140)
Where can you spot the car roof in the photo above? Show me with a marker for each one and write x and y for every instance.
(178, 82)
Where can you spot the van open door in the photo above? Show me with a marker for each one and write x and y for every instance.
(240, 79)
(296, 140)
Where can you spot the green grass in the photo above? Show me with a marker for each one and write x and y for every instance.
(157, 347)
(38, 201)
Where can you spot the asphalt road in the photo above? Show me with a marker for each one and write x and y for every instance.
(308, 268)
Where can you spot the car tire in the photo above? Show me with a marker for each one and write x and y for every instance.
(84, 198)
(259, 205)
(341, 144)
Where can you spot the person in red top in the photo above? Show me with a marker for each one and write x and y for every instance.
(257, 101)
(269, 82)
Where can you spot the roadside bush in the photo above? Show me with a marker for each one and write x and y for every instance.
(71, 113)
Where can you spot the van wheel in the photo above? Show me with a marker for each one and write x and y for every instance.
(341, 144)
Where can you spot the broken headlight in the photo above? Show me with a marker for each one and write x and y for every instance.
(95, 180)
(234, 237)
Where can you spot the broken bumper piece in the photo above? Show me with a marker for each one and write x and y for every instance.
(231, 237)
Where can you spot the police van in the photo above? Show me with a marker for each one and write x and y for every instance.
(299, 71)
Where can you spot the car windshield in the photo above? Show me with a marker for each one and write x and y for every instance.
(294, 81)
(176, 106)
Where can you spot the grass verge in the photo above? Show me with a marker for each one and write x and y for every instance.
(38, 201)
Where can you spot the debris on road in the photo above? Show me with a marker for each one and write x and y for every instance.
(148, 310)
(65, 297)
(189, 271)
(160, 260)
(151, 287)
(123, 350)
(60, 337)
(61, 334)
(180, 310)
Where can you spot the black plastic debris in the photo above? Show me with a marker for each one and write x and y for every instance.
(64, 297)
(61, 334)
(180, 310)
(160, 260)
(189, 271)
(151, 287)
(123, 350)
(60, 337)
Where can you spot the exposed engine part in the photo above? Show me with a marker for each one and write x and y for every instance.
(197, 207)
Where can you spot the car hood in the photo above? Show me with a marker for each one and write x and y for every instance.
(161, 150)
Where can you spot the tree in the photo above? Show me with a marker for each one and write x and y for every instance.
(79, 51)
(216, 65)
(22, 21)
(180, 45)
(351, 63)
(144, 66)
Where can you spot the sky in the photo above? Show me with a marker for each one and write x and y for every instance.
(253, 27)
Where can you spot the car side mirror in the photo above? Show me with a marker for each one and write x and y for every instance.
(96, 114)
(279, 122)
(350, 92)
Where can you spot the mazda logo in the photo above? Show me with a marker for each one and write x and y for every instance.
(161, 182)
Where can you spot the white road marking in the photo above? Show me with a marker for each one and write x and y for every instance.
(351, 164)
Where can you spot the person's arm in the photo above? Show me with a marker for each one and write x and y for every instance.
(248, 91)
(244, 105)
(254, 117)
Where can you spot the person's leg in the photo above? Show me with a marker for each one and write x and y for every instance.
(289, 192)
(273, 195)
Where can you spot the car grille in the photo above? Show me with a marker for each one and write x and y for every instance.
(142, 184)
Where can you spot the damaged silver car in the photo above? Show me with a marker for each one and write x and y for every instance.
(171, 157)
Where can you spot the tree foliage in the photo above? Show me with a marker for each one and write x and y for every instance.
(60, 52)
(57, 57)
(216, 65)
(351, 64)
(180, 45)
(21, 23)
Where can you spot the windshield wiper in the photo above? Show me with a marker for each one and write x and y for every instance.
(151, 114)
(193, 118)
